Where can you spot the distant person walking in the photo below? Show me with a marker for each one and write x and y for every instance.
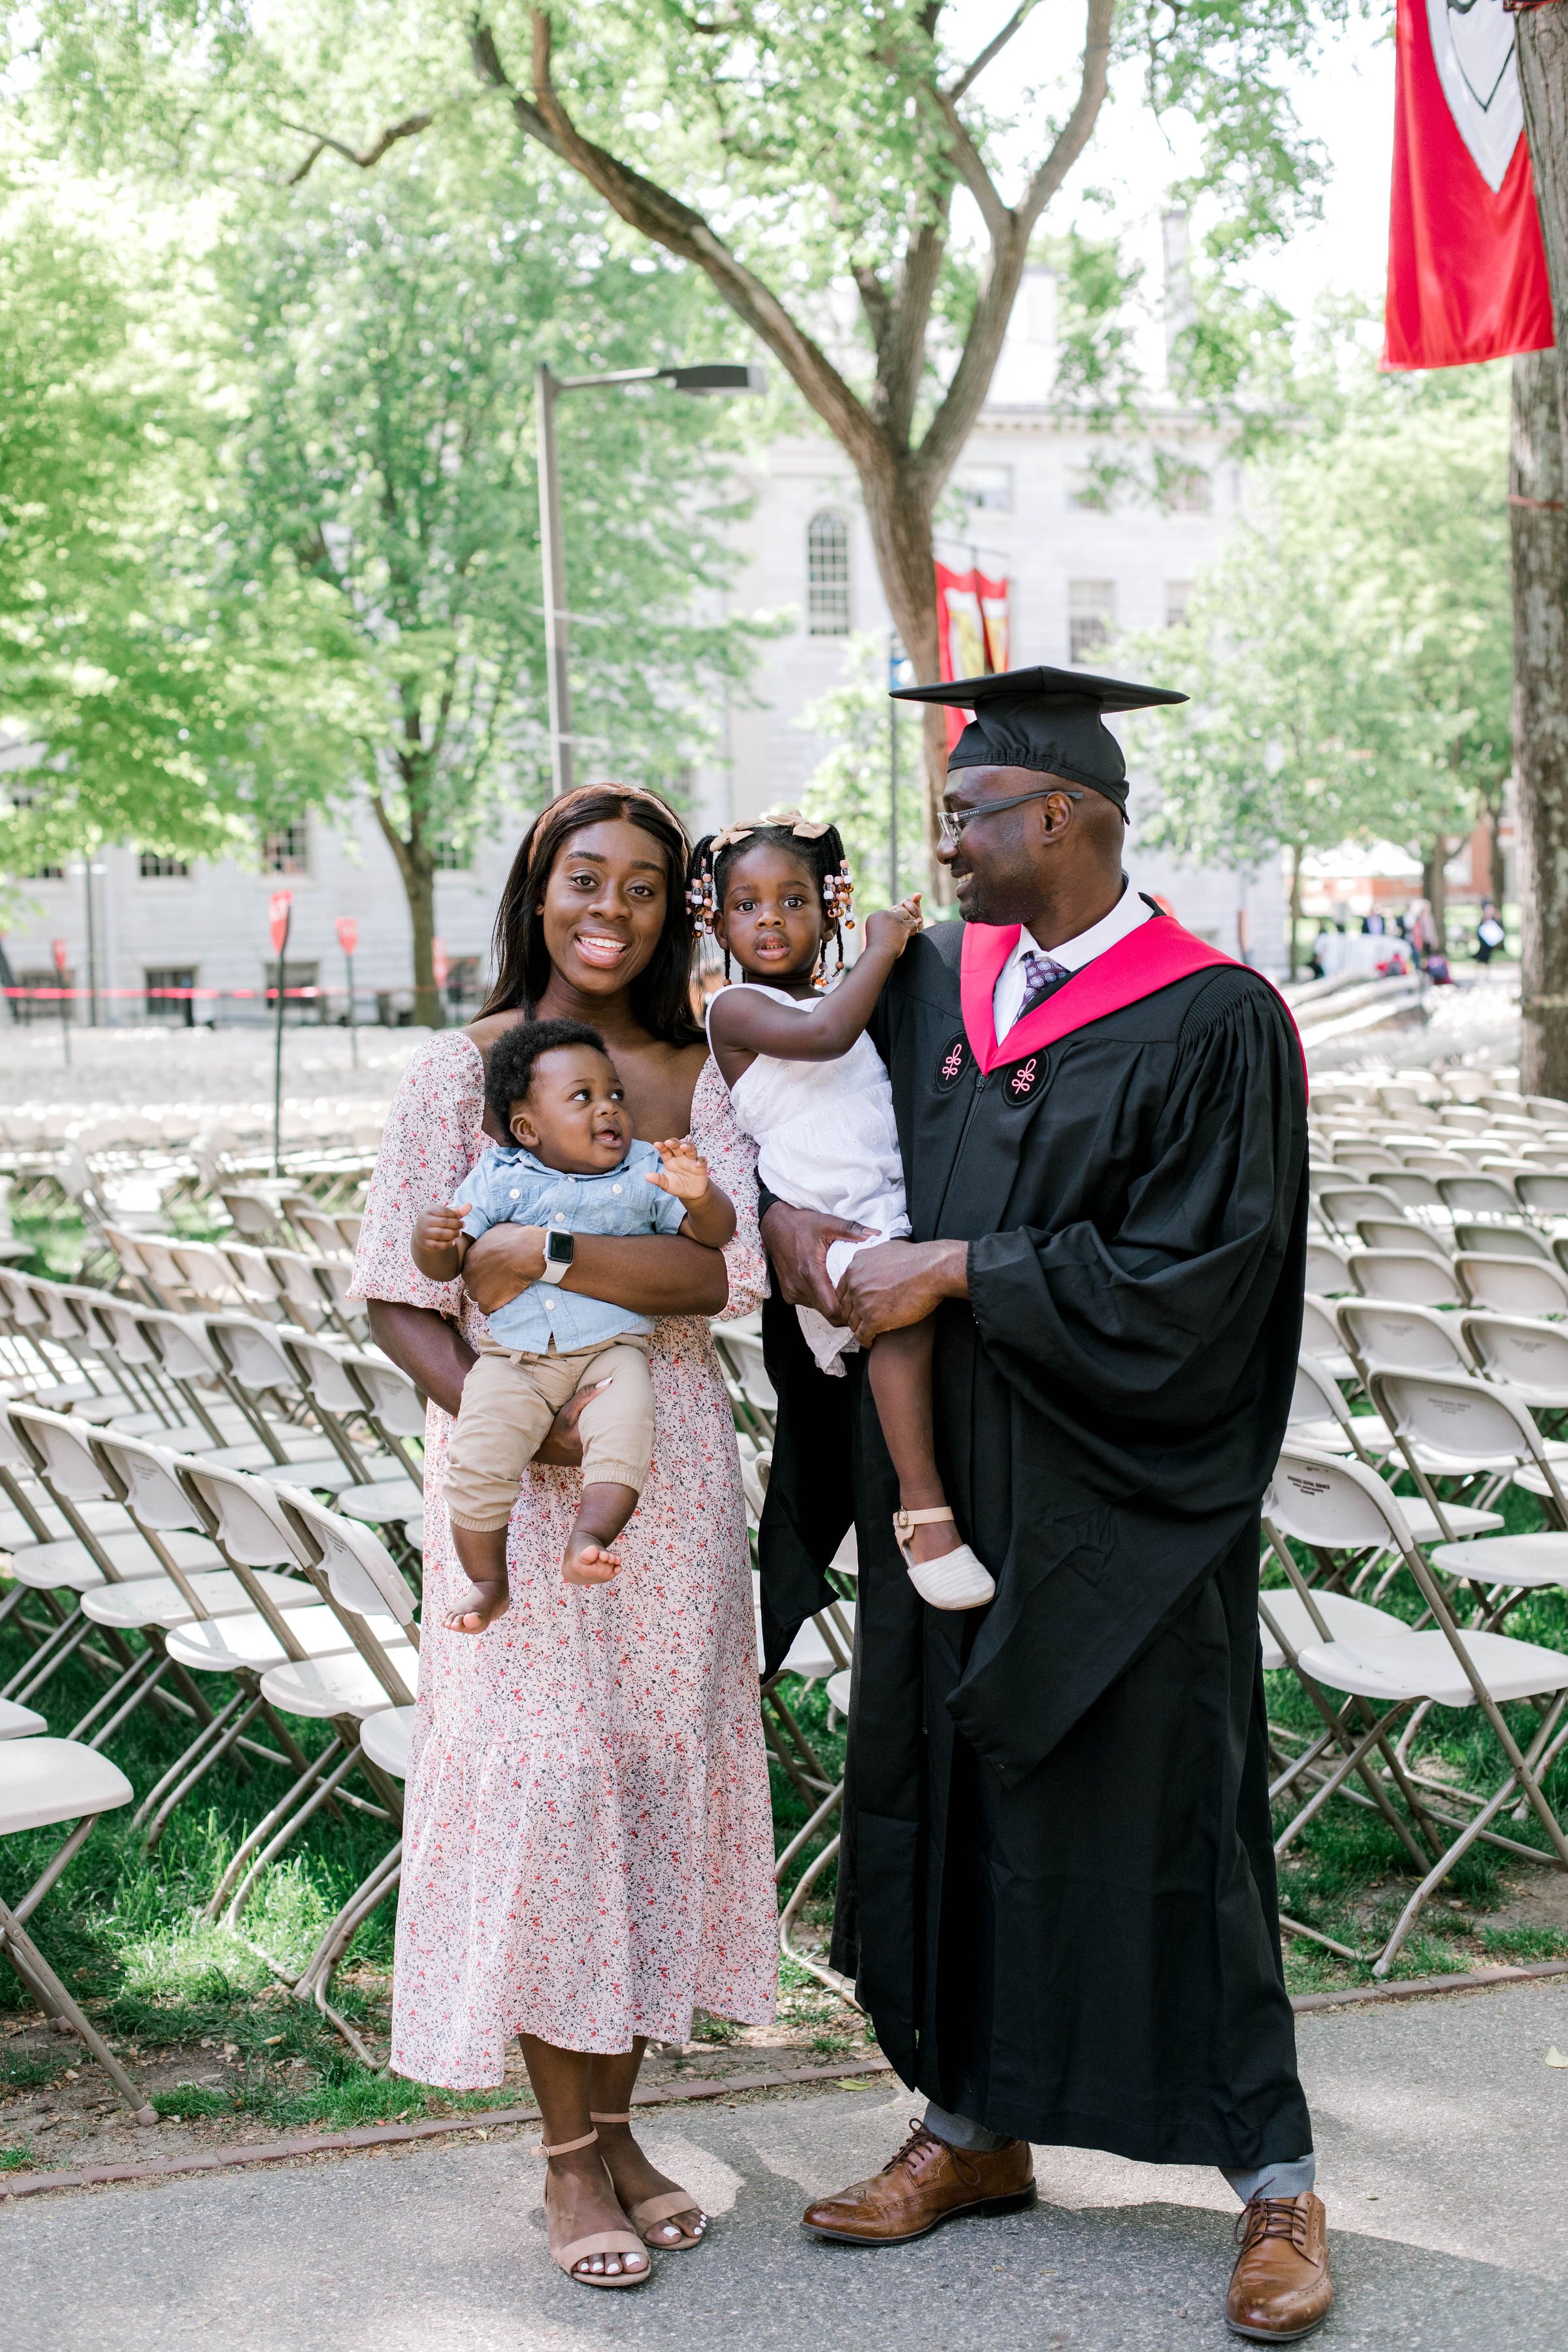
(1490, 933)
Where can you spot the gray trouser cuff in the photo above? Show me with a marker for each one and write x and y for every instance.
(961, 2131)
(1284, 2179)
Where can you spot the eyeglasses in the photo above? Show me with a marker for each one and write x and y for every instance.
(950, 822)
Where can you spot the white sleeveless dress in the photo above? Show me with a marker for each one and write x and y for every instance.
(826, 1139)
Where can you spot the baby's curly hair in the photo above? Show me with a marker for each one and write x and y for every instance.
(818, 846)
(509, 1072)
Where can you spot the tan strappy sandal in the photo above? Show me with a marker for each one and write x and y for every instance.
(603, 2241)
(957, 1580)
(662, 2208)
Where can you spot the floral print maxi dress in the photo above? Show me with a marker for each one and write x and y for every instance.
(588, 1843)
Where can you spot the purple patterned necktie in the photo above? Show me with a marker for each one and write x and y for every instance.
(1040, 971)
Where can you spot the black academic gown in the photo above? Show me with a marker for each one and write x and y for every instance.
(1057, 1891)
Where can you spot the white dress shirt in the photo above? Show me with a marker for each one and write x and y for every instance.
(1012, 989)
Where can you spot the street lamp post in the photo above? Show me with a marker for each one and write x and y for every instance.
(713, 377)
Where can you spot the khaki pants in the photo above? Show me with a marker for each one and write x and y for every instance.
(511, 1399)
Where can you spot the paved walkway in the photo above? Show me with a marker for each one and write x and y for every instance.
(1443, 2138)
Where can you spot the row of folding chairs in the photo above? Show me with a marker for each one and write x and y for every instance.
(280, 1214)
(283, 1284)
(266, 1396)
(1373, 1677)
(237, 1603)
(1501, 1268)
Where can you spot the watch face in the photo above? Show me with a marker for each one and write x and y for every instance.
(558, 1249)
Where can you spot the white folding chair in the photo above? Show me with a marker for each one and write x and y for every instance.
(1318, 1415)
(1513, 1286)
(1413, 1189)
(753, 1399)
(1526, 1355)
(1411, 1276)
(1544, 1194)
(143, 1583)
(1480, 1195)
(1382, 1334)
(296, 1273)
(208, 1276)
(1341, 1204)
(1480, 1240)
(253, 1279)
(1289, 1617)
(385, 1740)
(261, 1365)
(1327, 1271)
(1321, 1338)
(44, 1782)
(100, 1547)
(358, 1580)
(243, 1519)
(1488, 1424)
(1322, 1500)
(1383, 1233)
(395, 1411)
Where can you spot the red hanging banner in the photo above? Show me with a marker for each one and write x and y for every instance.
(279, 907)
(1466, 273)
(348, 934)
(972, 630)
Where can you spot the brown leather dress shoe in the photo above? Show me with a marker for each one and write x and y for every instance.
(1280, 2288)
(926, 2182)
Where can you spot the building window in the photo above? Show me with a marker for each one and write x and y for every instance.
(451, 856)
(44, 1005)
(1189, 491)
(1178, 597)
(828, 576)
(990, 486)
(303, 999)
(1091, 617)
(43, 873)
(287, 851)
(169, 989)
(154, 868)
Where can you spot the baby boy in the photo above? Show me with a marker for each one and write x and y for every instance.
(571, 1168)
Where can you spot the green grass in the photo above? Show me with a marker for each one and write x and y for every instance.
(126, 1932)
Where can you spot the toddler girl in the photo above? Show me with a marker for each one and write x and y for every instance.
(808, 1085)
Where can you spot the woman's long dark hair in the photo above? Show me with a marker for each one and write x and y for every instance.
(661, 993)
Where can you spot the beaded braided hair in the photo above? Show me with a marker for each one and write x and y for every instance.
(820, 849)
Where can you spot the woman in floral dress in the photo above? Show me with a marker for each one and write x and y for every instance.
(588, 1848)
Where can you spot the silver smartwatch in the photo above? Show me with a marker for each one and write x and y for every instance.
(559, 1251)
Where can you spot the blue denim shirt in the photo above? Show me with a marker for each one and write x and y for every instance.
(507, 1185)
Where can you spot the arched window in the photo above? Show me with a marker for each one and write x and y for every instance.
(828, 576)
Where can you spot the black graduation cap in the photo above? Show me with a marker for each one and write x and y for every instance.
(1050, 720)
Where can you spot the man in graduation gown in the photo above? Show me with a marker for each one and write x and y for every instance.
(1056, 1884)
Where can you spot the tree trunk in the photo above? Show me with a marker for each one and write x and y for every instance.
(429, 1006)
(1539, 541)
(1435, 887)
(898, 511)
(416, 865)
(1294, 906)
(1539, 531)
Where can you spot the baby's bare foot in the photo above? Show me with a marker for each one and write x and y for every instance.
(588, 1562)
(480, 1606)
